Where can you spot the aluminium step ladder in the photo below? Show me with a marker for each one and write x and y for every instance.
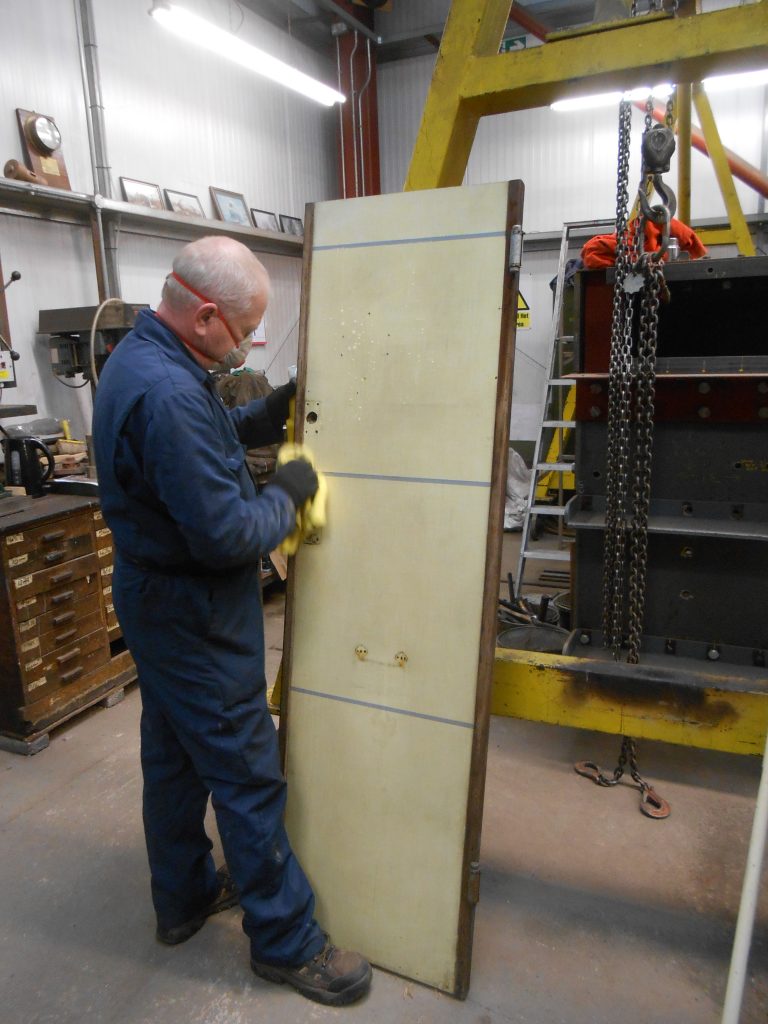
(555, 470)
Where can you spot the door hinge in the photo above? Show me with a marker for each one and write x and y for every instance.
(473, 883)
(515, 247)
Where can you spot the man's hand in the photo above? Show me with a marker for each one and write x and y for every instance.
(297, 479)
(278, 403)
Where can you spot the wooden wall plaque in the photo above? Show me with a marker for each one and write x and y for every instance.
(42, 151)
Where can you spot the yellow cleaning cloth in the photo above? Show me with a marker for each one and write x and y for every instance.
(311, 517)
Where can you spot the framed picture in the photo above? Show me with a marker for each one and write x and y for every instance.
(291, 225)
(183, 203)
(265, 221)
(230, 206)
(142, 193)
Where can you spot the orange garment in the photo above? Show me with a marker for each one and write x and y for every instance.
(600, 251)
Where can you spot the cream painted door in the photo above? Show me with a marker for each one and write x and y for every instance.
(407, 343)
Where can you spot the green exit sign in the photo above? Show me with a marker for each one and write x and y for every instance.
(513, 43)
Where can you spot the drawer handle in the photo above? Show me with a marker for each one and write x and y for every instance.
(59, 620)
(63, 597)
(64, 658)
(54, 556)
(49, 538)
(66, 635)
(60, 577)
(67, 677)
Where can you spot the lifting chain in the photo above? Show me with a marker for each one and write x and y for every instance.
(651, 804)
(631, 397)
(629, 452)
(619, 402)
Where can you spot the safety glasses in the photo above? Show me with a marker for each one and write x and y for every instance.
(219, 314)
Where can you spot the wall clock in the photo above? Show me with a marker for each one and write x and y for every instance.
(41, 140)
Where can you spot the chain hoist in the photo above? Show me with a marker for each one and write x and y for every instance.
(639, 282)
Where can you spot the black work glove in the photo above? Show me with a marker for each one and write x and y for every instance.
(297, 479)
(278, 402)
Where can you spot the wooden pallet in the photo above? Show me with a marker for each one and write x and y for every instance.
(105, 692)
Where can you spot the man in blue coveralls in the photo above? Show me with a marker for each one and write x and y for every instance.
(189, 531)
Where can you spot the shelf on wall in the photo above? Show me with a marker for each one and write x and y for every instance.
(42, 201)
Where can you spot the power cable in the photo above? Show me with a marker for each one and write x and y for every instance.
(282, 344)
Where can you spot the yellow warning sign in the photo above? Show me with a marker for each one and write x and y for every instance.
(523, 313)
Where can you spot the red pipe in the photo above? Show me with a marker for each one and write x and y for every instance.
(740, 169)
(528, 22)
(350, 156)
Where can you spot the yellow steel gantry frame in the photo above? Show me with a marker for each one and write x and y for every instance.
(738, 231)
(471, 80)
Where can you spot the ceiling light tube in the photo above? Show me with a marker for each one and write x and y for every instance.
(745, 80)
(208, 36)
(720, 83)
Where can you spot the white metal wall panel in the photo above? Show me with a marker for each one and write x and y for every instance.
(402, 88)
(56, 266)
(187, 119)
(40, 70)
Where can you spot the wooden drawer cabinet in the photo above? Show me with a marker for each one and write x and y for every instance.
(64, 614)
(63, 597)
(44, 547)
(56, 611)
(46, 580)
(105, 554)
(46, 673)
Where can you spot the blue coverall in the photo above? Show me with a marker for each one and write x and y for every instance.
(189, 529)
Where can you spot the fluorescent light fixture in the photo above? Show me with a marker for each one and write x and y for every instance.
(611, 99)
(724, 83)
(659, 92)
(604, 99)
(721, 83)
(208, 36)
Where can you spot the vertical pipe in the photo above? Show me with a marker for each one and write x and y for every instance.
(84, 77)
(341, 122)
(105, 250)
(749, 895)
(99, 256)
(684, 152)
(90, 64)
(360, 119)
(354, 124)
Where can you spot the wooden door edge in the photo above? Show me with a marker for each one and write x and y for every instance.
(471, 863)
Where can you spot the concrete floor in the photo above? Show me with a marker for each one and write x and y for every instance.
(589, 912)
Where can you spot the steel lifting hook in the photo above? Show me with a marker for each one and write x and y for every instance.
(592, 771)
(668, 207)
(652, 805)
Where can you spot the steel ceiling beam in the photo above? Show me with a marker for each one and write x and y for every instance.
(471, 79)
(349, 20)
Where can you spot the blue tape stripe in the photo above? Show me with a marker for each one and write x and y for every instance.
(383, 707)
(410, 241)
(409, 479)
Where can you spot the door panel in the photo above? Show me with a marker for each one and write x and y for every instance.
(407, 344)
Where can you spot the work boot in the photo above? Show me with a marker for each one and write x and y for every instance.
(335, 977)
(227, 897)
